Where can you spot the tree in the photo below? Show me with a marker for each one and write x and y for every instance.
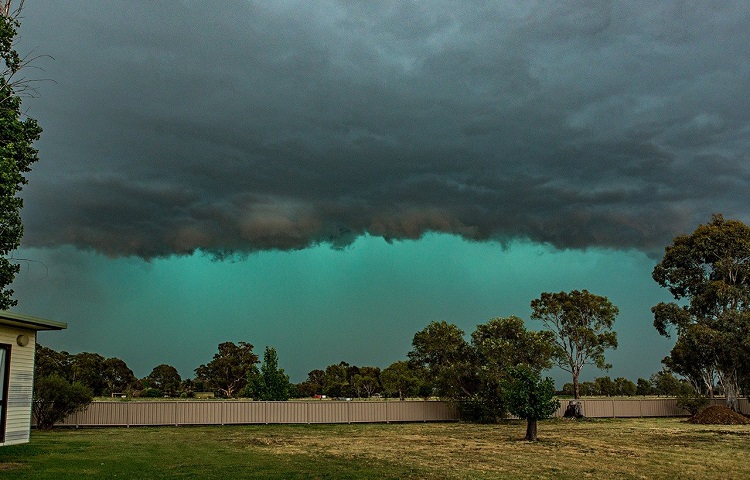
(582, 325)
(227, 372)
(335, 382)
(166, 379)
(399, 379)
(313, 385)
(117, 376)
(448, 360)
(49, 362)
(88, 369)
(270, 383)
(17, 134)
(530, 397)
(625, 387)
(55, 398)
(710, 271)
(644, 387)
(366, 382)
(500, 345)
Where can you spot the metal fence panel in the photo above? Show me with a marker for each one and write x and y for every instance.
(210, 412)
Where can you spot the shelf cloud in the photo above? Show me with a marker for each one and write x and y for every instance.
(175, 127)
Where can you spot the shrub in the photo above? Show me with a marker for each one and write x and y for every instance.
(55, 398)
(692, 403)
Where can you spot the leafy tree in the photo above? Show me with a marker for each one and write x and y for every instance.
(399, 379)
(530, 397)
(313, 385)
(227, 372)
(165, 378)
(270, 382)
(665, 383)
(710, 270)
(582, 325)
(447, 358)
(117, 376)
(17, 134)
(605, 386)
(88, 369)
(502, 344)
(644, 387)
(335, 381)
(55, 398)
(49, 362)
(625, 387)
(366, 382)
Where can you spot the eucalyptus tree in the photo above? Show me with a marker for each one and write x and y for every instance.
(708, 273)
(582, 326)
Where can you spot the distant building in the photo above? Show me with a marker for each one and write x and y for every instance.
(17, 347)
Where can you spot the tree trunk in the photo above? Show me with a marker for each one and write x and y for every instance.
(576, 389)
(531, 429)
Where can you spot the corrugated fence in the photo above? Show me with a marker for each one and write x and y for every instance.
(248, 412)
(140, 413)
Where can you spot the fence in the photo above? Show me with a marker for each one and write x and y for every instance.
(248, 412)
(139, 413)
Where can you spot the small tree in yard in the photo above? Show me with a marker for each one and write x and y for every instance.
(55, 398)
(530, 397)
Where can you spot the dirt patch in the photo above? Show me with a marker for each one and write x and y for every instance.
(719, 415)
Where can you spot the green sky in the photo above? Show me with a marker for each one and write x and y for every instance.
(319, 306)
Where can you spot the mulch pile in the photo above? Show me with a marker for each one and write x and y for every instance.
(719, 415)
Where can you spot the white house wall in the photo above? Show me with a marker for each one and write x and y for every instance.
(18, 422)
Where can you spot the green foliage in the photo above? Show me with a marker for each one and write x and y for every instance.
(16, 157)
(582, 326)
(710, 269)
(117, 376)
(474, 375)
(166, 379)
(448, 360)
(692, 403)
(402, 381)
(270, 382)
(152, 393)
(55, 398)
(644, 387)
(530, 397)
(227, 372)
(100, 375)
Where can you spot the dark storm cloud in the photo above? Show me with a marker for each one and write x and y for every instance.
(176, 126)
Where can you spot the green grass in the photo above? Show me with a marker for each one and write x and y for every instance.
(612, 448)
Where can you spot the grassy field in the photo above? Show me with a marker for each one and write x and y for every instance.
(611, 448)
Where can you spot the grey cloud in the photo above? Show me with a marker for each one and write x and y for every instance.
(177, 126)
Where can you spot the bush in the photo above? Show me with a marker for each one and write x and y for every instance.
(692, 403)
(55, 398)
(152, 393)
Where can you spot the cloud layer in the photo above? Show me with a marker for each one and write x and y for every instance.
(182, 126)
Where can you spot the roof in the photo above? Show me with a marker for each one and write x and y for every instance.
(26, 321)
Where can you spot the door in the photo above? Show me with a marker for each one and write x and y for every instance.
(4, 374)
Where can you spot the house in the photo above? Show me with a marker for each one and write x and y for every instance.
(17, 347)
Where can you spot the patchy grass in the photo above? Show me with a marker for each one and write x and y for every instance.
(612, 448)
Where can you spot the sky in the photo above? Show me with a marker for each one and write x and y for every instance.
(329, 177)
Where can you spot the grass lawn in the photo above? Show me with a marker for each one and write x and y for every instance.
(604, 448)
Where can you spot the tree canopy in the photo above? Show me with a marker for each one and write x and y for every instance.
(582, 326)
(227, 372)
(269, 382)
(708, 272)
(17, 134)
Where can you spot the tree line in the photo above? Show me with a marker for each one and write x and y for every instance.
(497, 370)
